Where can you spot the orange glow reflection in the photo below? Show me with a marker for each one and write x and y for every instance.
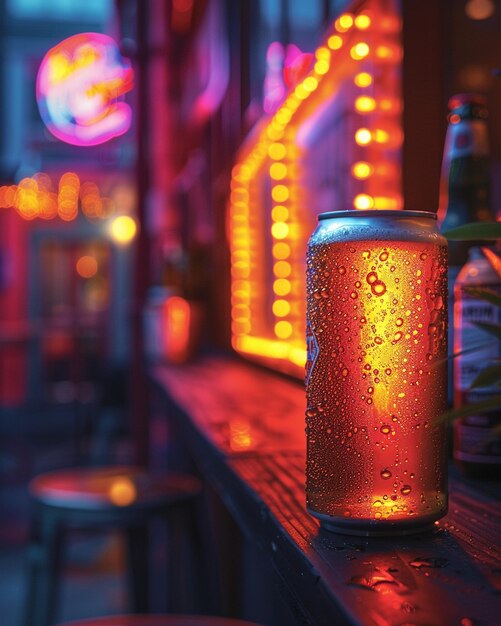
(86, 266)
(177, 329)
(122, 491)
(240, 435)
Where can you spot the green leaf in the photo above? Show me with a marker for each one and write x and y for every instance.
(494, 402)
(475, 231)
(492, 329)
(448, 358)
(490, 376)
(484, 294)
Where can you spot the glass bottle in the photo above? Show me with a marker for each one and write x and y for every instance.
(477, 449)
(464, 184)
(465, 180)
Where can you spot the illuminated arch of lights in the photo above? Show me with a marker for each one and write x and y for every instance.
(80, 85)
(362, 50)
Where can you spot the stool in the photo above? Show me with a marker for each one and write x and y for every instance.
(119, 498)
(160, 620)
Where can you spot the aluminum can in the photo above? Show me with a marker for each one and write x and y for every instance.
(376, 372)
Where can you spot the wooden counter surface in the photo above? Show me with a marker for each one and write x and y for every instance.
(245, 428)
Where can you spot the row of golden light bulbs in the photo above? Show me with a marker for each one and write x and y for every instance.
(271, 145)
(33, 197)
(279, 170)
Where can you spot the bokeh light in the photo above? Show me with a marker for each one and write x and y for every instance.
(123, 229)
(86, 266)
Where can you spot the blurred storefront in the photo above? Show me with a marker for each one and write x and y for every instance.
(245, 120)
(65, 258)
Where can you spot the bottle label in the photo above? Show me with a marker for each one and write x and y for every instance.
(466, 138)
(475, 440)
(313, 350)
(485, 348)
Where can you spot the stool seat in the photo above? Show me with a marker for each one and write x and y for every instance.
(160, 620)
(106, 488)
(126, 499)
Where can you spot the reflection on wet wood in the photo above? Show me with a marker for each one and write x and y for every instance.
(240, 408)
(245, 427)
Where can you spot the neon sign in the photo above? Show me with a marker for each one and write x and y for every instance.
(80, 84)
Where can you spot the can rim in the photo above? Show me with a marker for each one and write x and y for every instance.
(377, 213)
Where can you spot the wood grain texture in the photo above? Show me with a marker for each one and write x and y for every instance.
(445, 577)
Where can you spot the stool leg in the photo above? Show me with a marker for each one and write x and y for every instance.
(177, 576)
(53, 542)
(199, 525)
(138, 567)
(33, 562)
(43, 574)
(185, 562)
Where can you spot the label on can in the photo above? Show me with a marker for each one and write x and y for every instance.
(486, 349)
(312, 349)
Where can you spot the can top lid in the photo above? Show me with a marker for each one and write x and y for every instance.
(377, 213)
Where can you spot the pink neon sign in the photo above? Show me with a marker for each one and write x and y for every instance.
(80, 85)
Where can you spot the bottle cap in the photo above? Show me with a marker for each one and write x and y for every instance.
(460, 99)
(475, 252)
(464, 106)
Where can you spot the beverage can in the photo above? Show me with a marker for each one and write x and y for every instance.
(376, 373)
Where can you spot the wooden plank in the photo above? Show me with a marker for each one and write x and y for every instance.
(239, 407)
(443, 577)
(448, 576)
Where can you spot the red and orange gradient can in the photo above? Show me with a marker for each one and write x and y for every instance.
(376, 375)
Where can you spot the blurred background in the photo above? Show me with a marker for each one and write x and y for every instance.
(138, 210)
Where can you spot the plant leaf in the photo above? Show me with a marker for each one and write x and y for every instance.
(494, 402)
(448, 358)
(475, 231)
(492, 329)
(484, 294)
(490, 376)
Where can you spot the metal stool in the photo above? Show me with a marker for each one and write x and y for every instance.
(160, 620)
(118, 498)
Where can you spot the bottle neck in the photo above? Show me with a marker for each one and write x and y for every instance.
(465, 181)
